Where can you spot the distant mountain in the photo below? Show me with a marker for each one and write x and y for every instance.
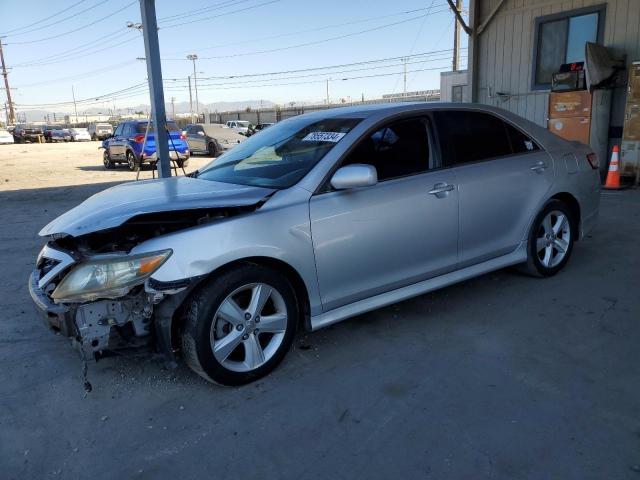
(180, 107)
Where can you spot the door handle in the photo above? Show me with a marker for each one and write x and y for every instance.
(538, 167)
(441, 188)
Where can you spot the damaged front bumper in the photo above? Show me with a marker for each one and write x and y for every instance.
(101, 327)
(97, 328)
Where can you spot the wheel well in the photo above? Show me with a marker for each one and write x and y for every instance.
(571, 202)
(290, 273)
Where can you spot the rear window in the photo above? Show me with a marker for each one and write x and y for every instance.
(468, 136)
(142, 127)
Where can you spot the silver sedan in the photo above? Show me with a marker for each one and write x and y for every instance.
(319, 218)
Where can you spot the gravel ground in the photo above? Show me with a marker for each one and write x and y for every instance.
(501, 377)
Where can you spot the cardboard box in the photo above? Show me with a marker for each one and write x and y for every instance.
(570, 104)
(571, 128)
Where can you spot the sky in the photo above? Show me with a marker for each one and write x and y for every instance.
(84, 48)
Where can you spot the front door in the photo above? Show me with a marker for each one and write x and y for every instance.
(403, 230)
(502, 175)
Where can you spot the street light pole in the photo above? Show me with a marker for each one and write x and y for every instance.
(190, 98)
(193, 57)
(75, 107)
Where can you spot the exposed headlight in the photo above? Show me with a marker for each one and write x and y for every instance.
(110, 277)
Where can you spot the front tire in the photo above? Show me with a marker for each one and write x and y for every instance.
(132, 161)
(106, 160)
(551, 240)
(239, 325)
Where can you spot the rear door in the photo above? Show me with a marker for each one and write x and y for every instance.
(403, 230)
(116, 143)
(502, 175)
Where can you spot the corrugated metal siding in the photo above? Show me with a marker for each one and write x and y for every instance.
(505, 51)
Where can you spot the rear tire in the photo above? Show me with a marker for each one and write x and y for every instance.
(239, 325)
(212, 150)
(551, 240)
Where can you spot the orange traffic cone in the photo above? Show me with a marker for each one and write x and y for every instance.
(613, 175)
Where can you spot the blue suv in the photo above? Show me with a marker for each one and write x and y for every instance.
(125, 145)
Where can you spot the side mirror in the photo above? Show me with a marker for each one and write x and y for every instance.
(354, 176)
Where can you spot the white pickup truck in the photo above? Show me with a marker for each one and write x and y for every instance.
(240, 126)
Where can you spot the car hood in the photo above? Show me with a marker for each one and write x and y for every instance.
(114, 206)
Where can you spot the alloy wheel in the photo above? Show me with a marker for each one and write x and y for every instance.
(553, 238)
(248, 327)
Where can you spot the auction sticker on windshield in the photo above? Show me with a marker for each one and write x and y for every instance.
(323, 137)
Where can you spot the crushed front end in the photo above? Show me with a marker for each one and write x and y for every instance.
(96, 326)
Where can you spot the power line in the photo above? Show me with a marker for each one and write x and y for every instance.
(191, 13)
(89, 50)
(76, 29)
(60, 12)
(221, 14)
(315, 42)
(79, 76)
(329, 73)
(310, 30)
(338, 79)
(329, 69)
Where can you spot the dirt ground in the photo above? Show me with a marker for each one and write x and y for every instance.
(49, 165)
(502, 377)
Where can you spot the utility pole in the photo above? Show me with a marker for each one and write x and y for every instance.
(456, 38)
(156, 90)
(404, 91)
(173, 107)
(193, 57)
(328, 91)
(75, 107)
(12, 115)
(190, 98)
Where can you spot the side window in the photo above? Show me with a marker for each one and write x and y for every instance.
(520, 142)
(467, 136)
(396, 150)
(118, 131)
(191, 130)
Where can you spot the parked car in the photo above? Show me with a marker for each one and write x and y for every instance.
(46, 131)
(211, 139)
(5, 137)
(321, 217)
(240, 126)
(27, 133)
(100, 131)
(261, 126)
(60, 135)
(126, 145)
(79, 134)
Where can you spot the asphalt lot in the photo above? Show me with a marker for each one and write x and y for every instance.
(503, 376)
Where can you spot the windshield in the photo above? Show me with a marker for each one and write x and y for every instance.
(243, 124)
(142, 127)
(281, 156)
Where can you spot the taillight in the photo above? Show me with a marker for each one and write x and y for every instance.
(138, 138)
(592, 158)
(183, 136)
